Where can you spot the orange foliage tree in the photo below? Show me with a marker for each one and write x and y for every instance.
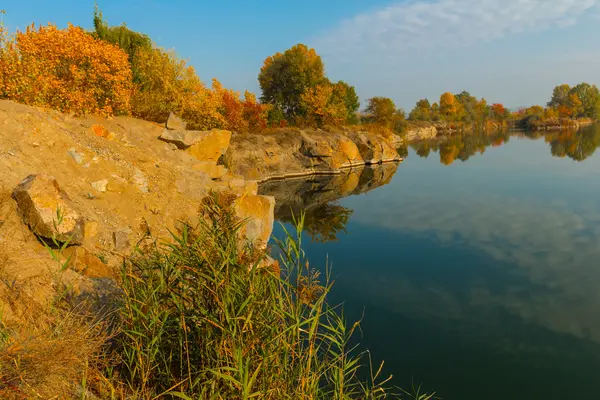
(65, 69)
(499, 111)
(240, 115)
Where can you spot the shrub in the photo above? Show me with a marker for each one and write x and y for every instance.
(65, 69)
(167, 83)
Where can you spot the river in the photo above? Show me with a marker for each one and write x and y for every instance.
(476, 261)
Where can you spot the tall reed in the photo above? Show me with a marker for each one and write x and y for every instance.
(208, 318)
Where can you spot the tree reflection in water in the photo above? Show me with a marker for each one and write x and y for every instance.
(324, 222)
(575, 144)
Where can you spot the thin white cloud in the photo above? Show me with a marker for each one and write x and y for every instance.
(444, 23)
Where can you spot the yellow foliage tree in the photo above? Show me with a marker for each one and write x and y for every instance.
(168, 84)
(448, 105)
(65, 69)
(323, 106)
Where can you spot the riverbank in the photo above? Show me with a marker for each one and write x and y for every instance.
(99, 215)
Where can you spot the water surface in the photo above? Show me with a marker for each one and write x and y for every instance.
(476, 262)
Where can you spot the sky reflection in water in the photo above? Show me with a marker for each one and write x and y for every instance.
(479, 278)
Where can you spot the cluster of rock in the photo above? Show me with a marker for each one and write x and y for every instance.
(295, 152)
(102, 194)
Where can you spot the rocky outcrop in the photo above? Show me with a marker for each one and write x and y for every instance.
(210, 145)
(292, 153)
(48, 210)
(124, 188)
(415, 133)
(175, 123)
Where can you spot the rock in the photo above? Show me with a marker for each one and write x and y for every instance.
(100, 185)
(175, 123)
(87, 264)
(290, 153)
(39, 200)
(140, 181)
(258, 211)
(211, 145)
(121, 240)
(374, 148)
(171, 146)
(75, 156)
(420, 133)
(314, 147)
(181, 139)
(211, 168)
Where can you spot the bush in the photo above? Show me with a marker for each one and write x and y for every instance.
(167, 83)
(65, 69)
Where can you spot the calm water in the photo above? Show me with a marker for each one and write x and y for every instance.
(477, 267)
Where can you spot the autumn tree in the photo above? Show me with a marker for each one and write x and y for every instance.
(345, 93)
(421, 112)
(323, 106)
(67, 70)
(448, 105)
(499, 112)
(482, 110)
(285, 77)
(380, 110)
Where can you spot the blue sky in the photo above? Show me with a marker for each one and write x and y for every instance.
(509, 51)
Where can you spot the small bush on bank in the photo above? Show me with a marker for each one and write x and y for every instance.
(65, 69)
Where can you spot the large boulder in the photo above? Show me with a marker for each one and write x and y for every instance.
(374, 148)
(210, 145)
(181, 138)
(175, 123)
(258, 212)
(48, 210)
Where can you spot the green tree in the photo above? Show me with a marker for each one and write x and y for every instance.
(589, 95)
(381, 111)
(560, 96)
(130, 41)
(347, 94)
(285, 77)
(468, 107)
(421, 112)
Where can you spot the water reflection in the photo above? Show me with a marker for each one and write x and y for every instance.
(318, 197)
(575, 144)
(479, 279)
